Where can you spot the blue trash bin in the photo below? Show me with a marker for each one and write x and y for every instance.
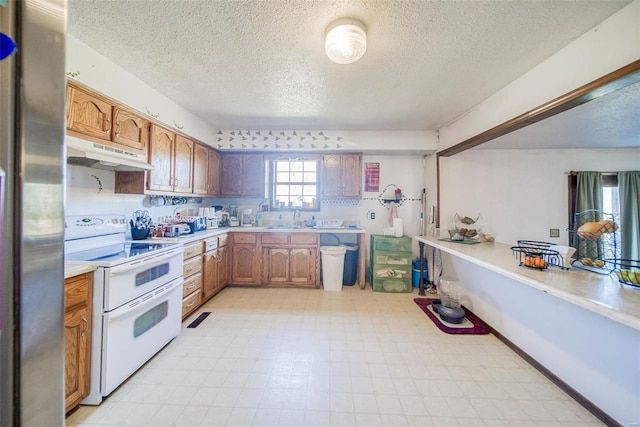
(415, 276)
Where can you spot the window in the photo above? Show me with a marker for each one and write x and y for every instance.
(294, 184)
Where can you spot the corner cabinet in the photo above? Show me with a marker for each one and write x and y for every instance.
(342, 175)
(245, 259)
(77, 338)
(206, 171)
(242, 175)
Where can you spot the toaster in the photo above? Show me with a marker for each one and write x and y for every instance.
(195, 223)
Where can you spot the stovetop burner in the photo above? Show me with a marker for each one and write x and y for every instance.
(117, 252)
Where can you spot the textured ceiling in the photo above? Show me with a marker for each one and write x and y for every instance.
(250, 64)
(611, 121)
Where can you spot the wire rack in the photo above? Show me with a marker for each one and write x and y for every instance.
(628, 271)
(537, 255)
(597, 255)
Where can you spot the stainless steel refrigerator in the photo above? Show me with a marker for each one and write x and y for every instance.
(32, 126)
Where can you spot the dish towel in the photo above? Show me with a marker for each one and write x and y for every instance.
(393, 213)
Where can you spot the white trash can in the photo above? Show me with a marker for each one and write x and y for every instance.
(332, 258)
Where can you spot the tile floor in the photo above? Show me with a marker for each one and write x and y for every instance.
(293, 357)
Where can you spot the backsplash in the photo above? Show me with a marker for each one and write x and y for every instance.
(91, 191)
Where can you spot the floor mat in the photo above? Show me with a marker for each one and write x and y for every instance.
(470, 326)
(199, 320)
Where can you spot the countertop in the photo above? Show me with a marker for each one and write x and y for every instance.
(599, 293)
(71, 270)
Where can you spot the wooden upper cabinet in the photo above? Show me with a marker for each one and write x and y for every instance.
(130, 129)
(351, 175)
(342, 175)
(200, 169)
(253, 175)
(88, 115)
(161, 156)
(231, 175)
(183, 172)
(213, 173)
(206, 171)
(242, 175)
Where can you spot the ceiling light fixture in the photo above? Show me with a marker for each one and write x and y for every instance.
(345, 40)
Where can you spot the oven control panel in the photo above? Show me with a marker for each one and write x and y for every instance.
(83, 226)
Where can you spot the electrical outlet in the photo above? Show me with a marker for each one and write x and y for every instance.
(554, 232)
(372, 215)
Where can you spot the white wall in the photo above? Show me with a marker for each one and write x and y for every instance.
(521, 194)
(595, 355)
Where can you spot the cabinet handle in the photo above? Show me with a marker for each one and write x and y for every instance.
(86, 325)
(191, 286)
(190, 304)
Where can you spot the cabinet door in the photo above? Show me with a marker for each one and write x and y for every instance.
(183, 172)
(276, 265)
(213, 173)
(303, 265)
(88, 114)
(77, 338)
(231, 175)
(130, 129)
(210, 282)
(351, 175)
(200, 169)
(161, 157)
(331, 175)
(223, 267)
(244, 265)
(253, 175)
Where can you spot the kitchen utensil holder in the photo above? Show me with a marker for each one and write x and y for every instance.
(139, 233)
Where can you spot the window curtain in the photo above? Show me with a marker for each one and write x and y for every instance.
(588, 197)
(629, 190)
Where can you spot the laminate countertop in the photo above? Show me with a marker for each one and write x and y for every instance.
(599, 293)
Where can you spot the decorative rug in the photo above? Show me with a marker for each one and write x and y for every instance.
(471, 325)
(199, 319)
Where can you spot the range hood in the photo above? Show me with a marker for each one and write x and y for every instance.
(87, 153)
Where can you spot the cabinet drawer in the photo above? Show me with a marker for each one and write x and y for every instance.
(392, 243)
(382, 271)
(393, 258)
(192, 266)
(192, 284)
(190, 303)
(303, 239)
(223, 240)
(392, 285)
(274, 239)
(76, 290)
(192, 249)
(244, 238)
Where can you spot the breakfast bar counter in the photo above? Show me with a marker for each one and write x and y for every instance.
(581, 329)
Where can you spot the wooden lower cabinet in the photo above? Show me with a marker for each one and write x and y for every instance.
(289, 266)
(77, 338)
(245, 268)
(192, 274)
(290, 260)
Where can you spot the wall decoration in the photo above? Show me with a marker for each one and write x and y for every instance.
(279, 140)
(371, 176)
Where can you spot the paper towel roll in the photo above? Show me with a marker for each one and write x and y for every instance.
(397, 227)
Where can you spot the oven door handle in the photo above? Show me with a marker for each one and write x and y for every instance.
(145, 299)
(136, 264)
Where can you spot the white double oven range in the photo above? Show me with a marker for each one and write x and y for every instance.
(137, 297)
